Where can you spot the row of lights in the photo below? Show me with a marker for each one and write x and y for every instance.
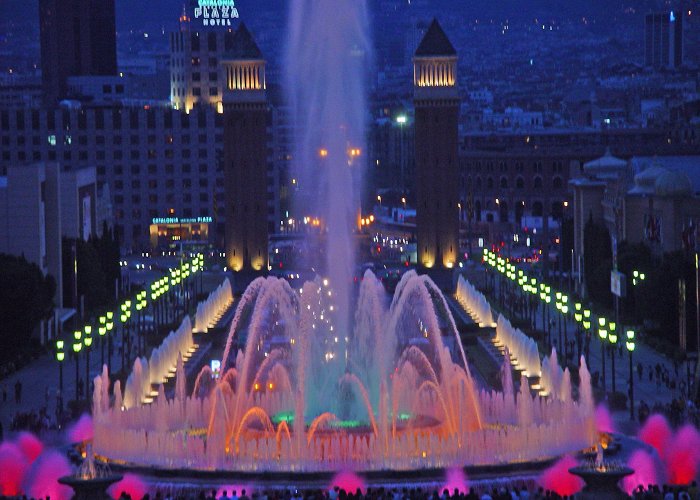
(83, 337)
(607, 330)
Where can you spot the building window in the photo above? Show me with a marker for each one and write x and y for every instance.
(520, 183)
(489, 183)
(213, 76)
(196, 91)
(537, 184)
(504, 183)
(557, 183)
(213, 91)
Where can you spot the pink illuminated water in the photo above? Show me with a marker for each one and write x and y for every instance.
(348, 481)
(455, 479)
(557, 478)
(603, 419)
(30, 445)
(131, 484)
(646, 471)
(41, 480)
(683, 456)
(13, 466)
(82, 430)
(657, 433)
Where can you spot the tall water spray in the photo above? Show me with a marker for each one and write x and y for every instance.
(328, 52)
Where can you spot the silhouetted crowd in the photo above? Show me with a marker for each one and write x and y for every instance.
(678, 412)
(521, 491)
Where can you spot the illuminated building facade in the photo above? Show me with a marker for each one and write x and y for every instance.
(195, 64)
(246, 116)
(436, 101)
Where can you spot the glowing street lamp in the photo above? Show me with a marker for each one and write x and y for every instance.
(629, 334)
(603, 334)
(60, 357)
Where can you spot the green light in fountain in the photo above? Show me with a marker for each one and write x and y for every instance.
(347, 424)
(283, 416)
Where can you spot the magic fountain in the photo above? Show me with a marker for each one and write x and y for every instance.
(399, 397)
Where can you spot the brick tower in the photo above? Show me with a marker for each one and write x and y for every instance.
(245, 155)
(436, 101)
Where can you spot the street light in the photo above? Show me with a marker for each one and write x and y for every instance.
(558, 304)
(77, 346)
(110, 327)
(87, 340)
(630, 349)
(612, 338)
(60, 357)
(586, 323)
(603, 334)
(102, 331)
(401, 120)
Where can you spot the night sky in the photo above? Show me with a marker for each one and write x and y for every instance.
(153, 14)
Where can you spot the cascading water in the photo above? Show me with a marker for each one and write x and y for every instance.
(404, 400)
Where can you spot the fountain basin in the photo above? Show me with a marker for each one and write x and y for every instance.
(90, 488)
(602, 482)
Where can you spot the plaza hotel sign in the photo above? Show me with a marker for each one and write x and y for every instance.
(183, 220)
(216, 12)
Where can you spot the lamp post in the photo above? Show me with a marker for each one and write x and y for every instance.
(612, 338)
(60, 357)
(77, 346)
(603, 334)
(586, 323)
(87, 340)
(102, 331)
(564, 312)
(110, 327)
(558, 305)
(630, 349)
(533, 301)
(139, 314)
(123, 318)
(401, 120)
(578, 318)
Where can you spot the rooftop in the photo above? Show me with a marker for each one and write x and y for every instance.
(435, 43)
(244, 46)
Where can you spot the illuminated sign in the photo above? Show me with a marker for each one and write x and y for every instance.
(216, 12)
(184, 220)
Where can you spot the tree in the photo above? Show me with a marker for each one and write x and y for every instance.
(597, 253)
(26, 298)
(92, 283)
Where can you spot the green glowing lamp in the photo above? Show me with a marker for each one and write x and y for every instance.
(77, 335)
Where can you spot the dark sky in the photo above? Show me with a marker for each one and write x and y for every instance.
(152, 14)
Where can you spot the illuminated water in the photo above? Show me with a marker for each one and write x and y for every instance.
(404, 400)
